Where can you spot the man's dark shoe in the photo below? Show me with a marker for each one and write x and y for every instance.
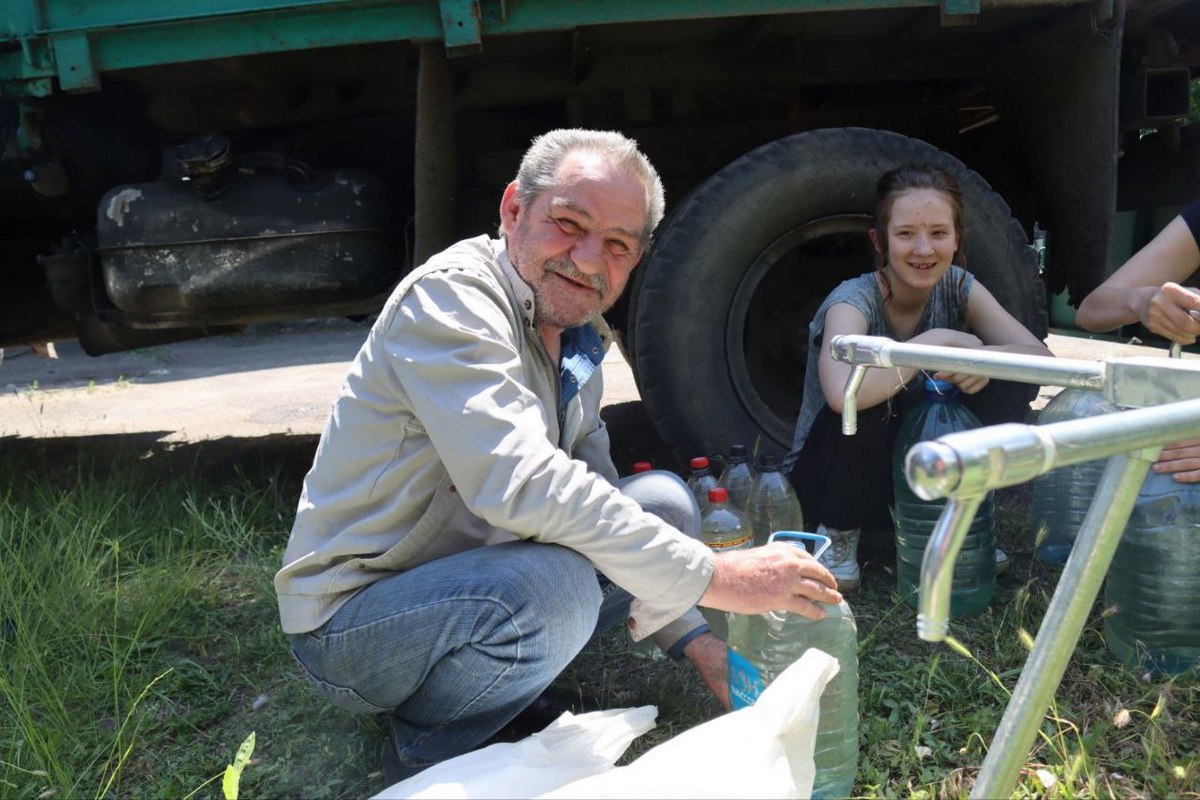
(548, 707)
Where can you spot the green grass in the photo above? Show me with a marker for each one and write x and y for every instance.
(139, 647)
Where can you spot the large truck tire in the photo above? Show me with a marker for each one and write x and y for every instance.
(717, 331)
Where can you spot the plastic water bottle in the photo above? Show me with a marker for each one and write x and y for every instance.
(974, 582)
(1061, 497)
(773, 502)
(1153, 584)
(738, 477)
(723, 527)
(701, 480)
(761, 646)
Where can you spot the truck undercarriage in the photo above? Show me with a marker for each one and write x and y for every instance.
(167, 176)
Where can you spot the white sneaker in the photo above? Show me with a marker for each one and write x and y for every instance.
(842, 556)
(1001, 562)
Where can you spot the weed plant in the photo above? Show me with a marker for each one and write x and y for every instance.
(139, 647)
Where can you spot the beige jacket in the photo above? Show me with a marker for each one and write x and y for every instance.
(445, 437)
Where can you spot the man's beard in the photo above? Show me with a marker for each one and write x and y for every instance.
(547, 312)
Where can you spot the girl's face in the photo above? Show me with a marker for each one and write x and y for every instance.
(921, 238)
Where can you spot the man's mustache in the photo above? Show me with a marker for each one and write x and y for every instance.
(567, 268)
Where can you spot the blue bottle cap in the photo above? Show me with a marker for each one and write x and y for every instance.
(940, 390)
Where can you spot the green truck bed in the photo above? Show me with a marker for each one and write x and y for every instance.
(76, 41)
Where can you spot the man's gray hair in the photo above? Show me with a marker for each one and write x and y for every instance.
(541, 161)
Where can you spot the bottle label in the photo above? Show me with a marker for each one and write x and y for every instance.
(745, 684)
(732, 544)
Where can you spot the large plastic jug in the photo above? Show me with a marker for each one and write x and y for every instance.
(1152, 592)
(773, 502)
(1061, 497)
(974, 582)
(761, 646)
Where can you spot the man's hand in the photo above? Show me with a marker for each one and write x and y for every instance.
(1181, 461)
(774, 577)
(709, 656)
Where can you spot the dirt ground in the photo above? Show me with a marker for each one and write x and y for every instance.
(267, 390)
(273, 382)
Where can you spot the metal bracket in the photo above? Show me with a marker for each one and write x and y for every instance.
(73, 57)
(1147, 381)
(461, 27)
(462, 23)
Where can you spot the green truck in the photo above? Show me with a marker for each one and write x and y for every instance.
(177, 169)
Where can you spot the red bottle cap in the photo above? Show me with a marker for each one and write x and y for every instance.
(718, 495)
(699, 462)
(642, 466)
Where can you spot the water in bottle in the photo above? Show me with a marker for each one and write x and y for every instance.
(738, 477)
(974, 581)
(723, 527)
(701, 480)
(773, 502)
(761, 646)
(1061, 497)
(1152, 590)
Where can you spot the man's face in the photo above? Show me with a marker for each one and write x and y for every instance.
(578, 241)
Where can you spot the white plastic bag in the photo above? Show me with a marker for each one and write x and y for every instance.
(571, 747)
(762, 751)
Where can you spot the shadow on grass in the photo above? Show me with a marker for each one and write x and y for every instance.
(214, 461)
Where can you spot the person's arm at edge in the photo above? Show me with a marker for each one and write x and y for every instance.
(1129, 294)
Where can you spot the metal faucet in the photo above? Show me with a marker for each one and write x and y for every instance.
(964, 466)
(1015, 453)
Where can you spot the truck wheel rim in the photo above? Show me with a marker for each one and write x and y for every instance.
(767, 326)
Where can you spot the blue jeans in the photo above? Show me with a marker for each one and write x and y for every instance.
(454, 649)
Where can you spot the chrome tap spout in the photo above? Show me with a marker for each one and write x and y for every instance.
(937, 567)
(850, 400)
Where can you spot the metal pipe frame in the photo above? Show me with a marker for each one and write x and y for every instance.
(1062, 624)
(964, 466)
(879, 351)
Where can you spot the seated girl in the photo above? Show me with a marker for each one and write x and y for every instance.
(919, 294)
